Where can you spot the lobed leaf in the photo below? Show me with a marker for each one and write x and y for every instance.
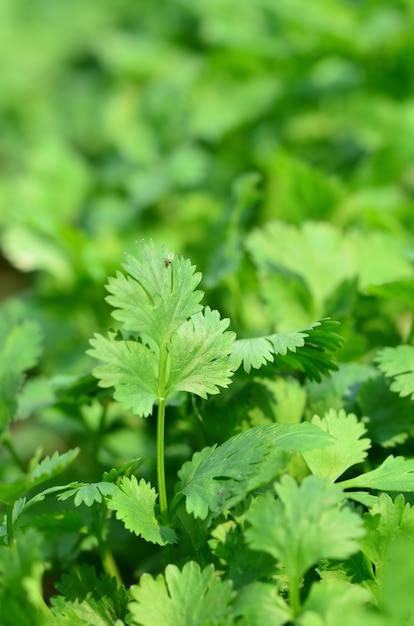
(347, 450)
(199, 355)
(219, 477)
(90, 493)
(20, 345)
(21, 571)
(88, 599)
(398, 289)
(160, 304)
(306, 524)
(398, 363)
(134, 504)
(394, 474)
(309, 350)
(385, 520)
(159, 293)
(38, 473)
(129, 366)
(338, 603)
(261, 603)
(20, 348)
(190, 597)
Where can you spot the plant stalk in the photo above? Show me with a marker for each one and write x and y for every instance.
(294, 594)
(162, 491)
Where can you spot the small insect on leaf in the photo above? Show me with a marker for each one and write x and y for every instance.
(169, 259)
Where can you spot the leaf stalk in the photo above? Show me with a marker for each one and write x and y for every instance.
(162, 491)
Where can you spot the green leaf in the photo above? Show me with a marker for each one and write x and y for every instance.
(191, 597)
(308, 253)
(22, 566)
(389, 418)
(253, 352)
(306, 524)
(219, 477)
(280, 400)
(134, 504)
(394, 474)
(127, 468)
(227, 544)
(90, 493)
(37, 393)
(55, 525)
(309, 350)
(399, 363)
(199, 352)
(180, 347)
(261, 603)
(385, 520)
(301, 268)
(159, 293)
(397, 579)
(347, 450)
(10, 384)
(299, 191)
(398, 289)
(129, 366)
(39, 472)
(88, 599)
(337, 390)
(338, 603)
(20, 348)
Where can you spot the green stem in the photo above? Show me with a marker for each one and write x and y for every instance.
(111, 567)
(294, 594)
(162, 491)
(107, 558)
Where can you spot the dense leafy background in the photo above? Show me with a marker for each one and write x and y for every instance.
(270, 143)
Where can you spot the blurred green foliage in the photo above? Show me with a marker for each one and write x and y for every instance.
(120, 120)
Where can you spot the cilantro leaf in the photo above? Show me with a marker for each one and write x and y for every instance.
(320, 250)
(129, 366)
(219, 477)
(134, 504)
(385, 520)
(89, 493)
(397, 578)
(191, 597)
(20, 348)
(88, 599)
(199, 352)
(309, 350)
(399, 363)
(399, 289)
(338, 603)
(394, 474)
(39, 472)
(304, 525)
(159, 293)
(20, 345)
(253, 352)
(348, 448)
(261, 603)
(180, 347)
(389, 418)
(21, 570)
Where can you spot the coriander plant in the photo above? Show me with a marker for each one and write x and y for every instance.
(168, 342)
